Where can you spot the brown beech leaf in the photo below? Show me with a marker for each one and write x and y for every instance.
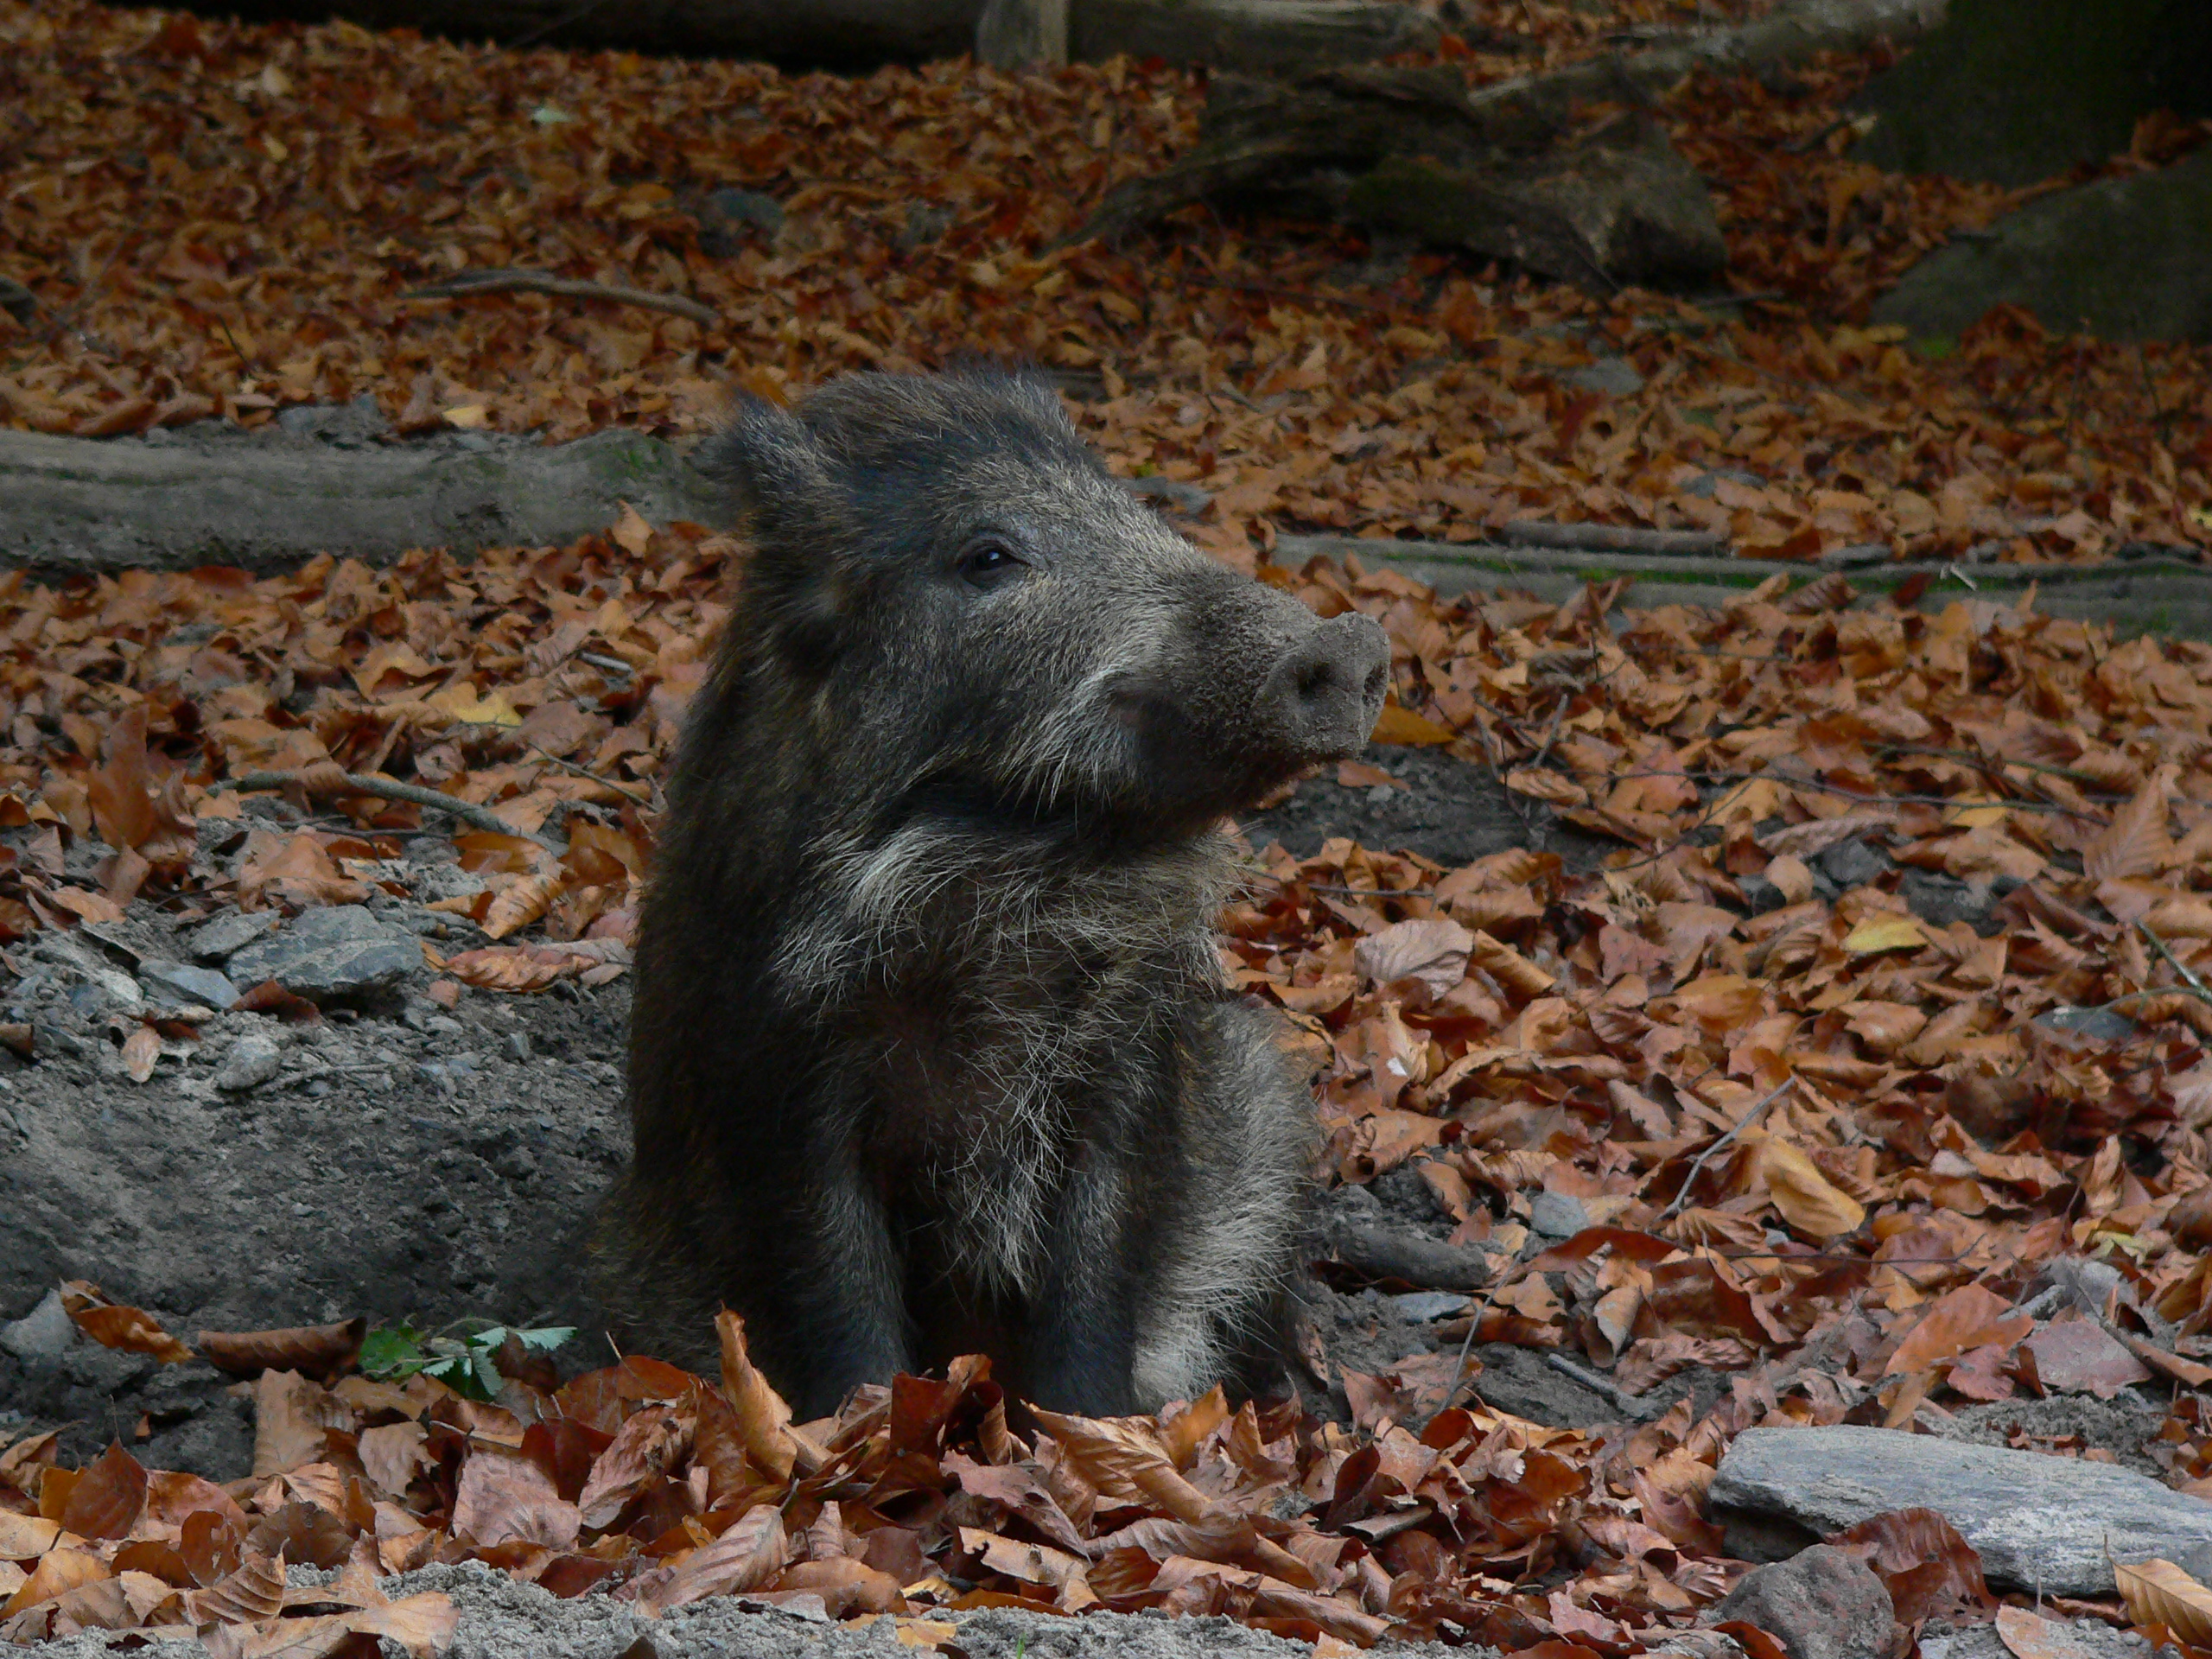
(503, 1496)
(745, 1557)
(321, 1351)
(140, 1049)
(2080, 1356)
(1124, 1458)
(112, 1325)
(1433, 951)
(763, 1419)
(290, 1416)
(2028, 1635)
(57, 1572)
(1807, 1199)
(521, 901)
(1969, 1317)
(2135, 842)
(423, 1624)
(253, 1590)
(393, 1454)
(1929, 1567)
(106, 1500)
(2158, 1592)
(1403, 727)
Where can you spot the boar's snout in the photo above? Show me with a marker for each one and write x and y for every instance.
(1323, 696)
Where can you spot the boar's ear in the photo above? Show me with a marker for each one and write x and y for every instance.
(773, 465)
(790, 497)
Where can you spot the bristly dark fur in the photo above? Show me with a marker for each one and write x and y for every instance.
(931, 1053)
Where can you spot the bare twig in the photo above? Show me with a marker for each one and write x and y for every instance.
(1623, 1401)
(589, 776)
(390, 789)
(2188, 974)
(519, 281)
(1757, 1110)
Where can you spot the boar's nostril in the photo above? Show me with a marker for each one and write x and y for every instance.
(1322, 698)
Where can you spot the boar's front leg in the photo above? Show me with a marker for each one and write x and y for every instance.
(1082, 1331)
(848, 1322)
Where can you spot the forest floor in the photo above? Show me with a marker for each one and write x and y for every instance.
(1793, 1010)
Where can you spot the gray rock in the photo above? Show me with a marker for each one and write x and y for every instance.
(1707, 485)
(44, 1332)
(338, 950)
(433, 882)
(2042, 1522)
(1852, 863)
(727, 213)
(343, 426)
(2018, 91)
(2055, 257)
(231, 931)
(1824, 1602)
(184, 983)
(1942, 900)
(1422, 1306)
(1761, 895)
(2098, 1024)
(925, 224)
(1616, 377)
(253, 1060)
(98, 985)
(1556, 1216)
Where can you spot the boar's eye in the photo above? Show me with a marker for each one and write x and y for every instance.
(986, 562)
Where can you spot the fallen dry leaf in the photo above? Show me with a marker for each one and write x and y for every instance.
(2158, 1592)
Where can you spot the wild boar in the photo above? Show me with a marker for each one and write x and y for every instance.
(931, 1052)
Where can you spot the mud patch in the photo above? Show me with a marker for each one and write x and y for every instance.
(1445, 809)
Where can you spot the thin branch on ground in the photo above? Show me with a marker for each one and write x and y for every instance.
(589, 776)
(1729, 1138)
(544, 282)
(389, 789)
(1622, 1400)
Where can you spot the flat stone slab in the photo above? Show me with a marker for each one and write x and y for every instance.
(2055, 1524)
(187, 983)
(333, 950)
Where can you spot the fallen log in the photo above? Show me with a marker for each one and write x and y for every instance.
(1491, 168)
(1253, 36)
(175, 500)
(848, 34)
(1271, 35)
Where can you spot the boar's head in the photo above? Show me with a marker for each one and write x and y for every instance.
(968, 607)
